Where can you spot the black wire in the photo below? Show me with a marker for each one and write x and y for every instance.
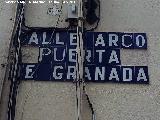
(15, 65)
(89, 103)
(30, 29)
(99, 14)
(84, 91)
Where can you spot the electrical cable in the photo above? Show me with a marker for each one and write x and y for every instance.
(89, 103)
(99, 14)
(80, 81)
(15, 67)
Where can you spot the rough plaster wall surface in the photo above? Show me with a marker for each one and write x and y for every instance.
(56, 101)
(7, 13)
(42, 18)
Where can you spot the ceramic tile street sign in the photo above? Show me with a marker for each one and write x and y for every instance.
(57, 57)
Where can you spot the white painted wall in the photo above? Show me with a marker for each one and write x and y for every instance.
(7, 13)
(54, 100)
